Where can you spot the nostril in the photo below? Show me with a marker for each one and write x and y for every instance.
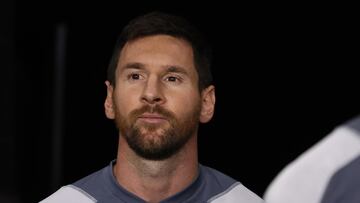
(151, 100)
(158, 99)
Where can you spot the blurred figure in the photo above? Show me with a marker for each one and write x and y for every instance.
(328, 172)
(344, 186)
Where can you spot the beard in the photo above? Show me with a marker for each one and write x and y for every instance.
(157, 141)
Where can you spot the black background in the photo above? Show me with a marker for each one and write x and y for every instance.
(285, 76)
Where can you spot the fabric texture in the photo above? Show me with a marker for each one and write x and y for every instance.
(210, 186)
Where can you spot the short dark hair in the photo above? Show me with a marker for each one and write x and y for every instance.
(160, 23)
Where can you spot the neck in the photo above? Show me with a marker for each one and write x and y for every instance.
(154, 181)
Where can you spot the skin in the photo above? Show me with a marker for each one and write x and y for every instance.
(145, 75)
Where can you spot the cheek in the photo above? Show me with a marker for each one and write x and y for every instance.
(126, 102)
(186, 104)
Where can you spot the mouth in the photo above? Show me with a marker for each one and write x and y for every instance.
(152, 118)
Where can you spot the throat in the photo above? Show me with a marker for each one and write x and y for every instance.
(153, 181)
(156, 169)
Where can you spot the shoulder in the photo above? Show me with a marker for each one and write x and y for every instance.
(236, 193)
(228, 189)
(317, 163)
(349, 172)
(90, 181)
(69, 194)
(344, 184)
(215, 177)
(82, 191)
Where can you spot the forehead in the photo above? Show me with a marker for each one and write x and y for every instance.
(158, 50)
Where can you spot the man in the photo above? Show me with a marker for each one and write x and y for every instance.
(158, 89)
(328, 172)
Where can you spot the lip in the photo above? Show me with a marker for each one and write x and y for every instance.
(152, 118)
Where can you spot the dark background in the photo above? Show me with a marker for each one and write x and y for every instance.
(285, 77)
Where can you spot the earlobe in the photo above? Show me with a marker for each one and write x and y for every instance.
(109, 105)
(207, 104)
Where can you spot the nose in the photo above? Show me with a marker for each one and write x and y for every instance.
(152, 93)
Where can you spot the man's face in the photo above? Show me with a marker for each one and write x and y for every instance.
(156, 102)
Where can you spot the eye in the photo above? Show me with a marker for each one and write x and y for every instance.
(134, 76)
(172, 79)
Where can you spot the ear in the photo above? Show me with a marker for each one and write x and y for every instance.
(109, 103)
(207, 104)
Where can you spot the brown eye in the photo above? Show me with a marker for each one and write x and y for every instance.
(135, 76)
(172, 79)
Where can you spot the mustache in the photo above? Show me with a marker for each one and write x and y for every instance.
(152, 109)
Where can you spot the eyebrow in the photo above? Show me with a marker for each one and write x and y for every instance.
(176, 69)
(133, 66)
(168, 68)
